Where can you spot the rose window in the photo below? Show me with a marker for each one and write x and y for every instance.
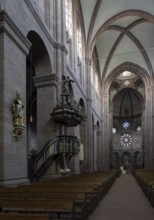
(125, 140)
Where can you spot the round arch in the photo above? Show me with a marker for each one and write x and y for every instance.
(38, 68)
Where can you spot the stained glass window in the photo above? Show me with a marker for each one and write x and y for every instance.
(126, 125)
(126, 140)
(114, 130)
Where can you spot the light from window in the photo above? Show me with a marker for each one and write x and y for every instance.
(114, 130)
(126, 74)
(79, 41)
(68, 16)
(126, 82)
(126, 125)
(139, 128)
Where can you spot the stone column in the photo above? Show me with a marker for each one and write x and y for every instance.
(60, 37)
(14, 48)
(149, 126)
(83, 139)
(94, 146)
(110, 135)
(89, 117)
(101, 144)
(143, 135)
(89, 135)
(105, 128)
(99, 133)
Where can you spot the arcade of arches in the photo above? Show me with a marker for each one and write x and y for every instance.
(105, 48)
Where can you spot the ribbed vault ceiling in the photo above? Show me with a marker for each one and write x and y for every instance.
(122, 31)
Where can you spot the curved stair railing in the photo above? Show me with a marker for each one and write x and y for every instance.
(62, 148)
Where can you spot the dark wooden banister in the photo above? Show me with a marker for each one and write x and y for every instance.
(63, 147)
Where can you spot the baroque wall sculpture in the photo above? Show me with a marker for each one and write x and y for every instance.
(18, 117)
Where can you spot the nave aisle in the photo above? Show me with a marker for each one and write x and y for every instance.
(124, 201)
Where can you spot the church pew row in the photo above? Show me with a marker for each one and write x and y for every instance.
(82, 193)
(15, 216)
(93, 190)
(85, 197)
(102, 180)
(68, 209)
(145, 179)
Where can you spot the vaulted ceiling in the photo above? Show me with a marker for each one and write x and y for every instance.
(121, 31)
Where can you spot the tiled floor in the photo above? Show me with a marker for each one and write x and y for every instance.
(124, 201)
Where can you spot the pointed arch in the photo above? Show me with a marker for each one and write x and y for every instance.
(127, 66)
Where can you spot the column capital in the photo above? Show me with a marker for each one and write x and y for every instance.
(45, 81)
(85, 118)
(99, 133)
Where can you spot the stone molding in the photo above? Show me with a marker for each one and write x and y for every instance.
(149, 89)
(99, 133)
(10, 29)
(95, 128)
(13, 181)
(89, 100)
(85, 118)
(96, 113)
(45, 81)
(44, 29)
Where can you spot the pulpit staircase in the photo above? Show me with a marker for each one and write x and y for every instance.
(60, 149)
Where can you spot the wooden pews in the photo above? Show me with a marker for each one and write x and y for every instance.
(73, 197)
(17, 216)
(145, 178)
(56, 207)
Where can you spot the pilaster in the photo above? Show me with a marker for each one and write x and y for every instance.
(83, 139)
(105, 127)
(149, 127)
(46, 101)
(99, 133)
(89, 117)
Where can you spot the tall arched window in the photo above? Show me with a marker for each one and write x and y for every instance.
(95, 76)
(96, 82)
(79, 41)
(79, 51)
(47, 12)
(68, 17)
(69, 26)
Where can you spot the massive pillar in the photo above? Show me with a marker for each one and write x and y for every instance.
(14, 48)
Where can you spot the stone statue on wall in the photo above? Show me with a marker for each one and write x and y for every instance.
(66, 84)
(17, 110)
(18, 116)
